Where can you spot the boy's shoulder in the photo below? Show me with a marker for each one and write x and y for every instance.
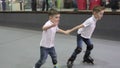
(88, 19)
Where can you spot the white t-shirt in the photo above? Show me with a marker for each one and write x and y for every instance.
(48, 36)
(89, 26)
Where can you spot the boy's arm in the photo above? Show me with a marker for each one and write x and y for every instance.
(70, 30)
(76, 27)
(62, 31)
(47, 27)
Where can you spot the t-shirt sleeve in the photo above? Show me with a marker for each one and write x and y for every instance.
(46, 24)
(87, 23)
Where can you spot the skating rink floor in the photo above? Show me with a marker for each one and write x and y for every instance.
(19, 48)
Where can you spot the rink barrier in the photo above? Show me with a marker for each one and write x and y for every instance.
(108, 27)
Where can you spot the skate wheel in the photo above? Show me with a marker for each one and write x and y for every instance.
(88, 62)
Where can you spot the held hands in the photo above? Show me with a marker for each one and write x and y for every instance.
(67, 32)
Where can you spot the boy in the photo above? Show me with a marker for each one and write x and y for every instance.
(47, 43)
(85, 31)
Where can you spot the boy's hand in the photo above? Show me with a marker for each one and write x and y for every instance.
(54, 24)
(47, 27)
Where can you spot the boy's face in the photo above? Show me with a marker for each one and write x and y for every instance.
(55, 18)
(99, 15)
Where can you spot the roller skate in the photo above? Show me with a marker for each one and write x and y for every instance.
(88, 60)
(69, 64)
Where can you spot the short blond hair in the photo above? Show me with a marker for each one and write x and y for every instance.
(98, 9)
(52, 12)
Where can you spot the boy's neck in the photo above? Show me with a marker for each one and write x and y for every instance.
(95, 17)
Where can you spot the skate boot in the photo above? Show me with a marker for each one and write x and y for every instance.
(88, 60)
(69, 64)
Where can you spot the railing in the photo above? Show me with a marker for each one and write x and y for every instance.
(36, 5)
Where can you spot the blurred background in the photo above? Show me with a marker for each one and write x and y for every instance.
(61, 5)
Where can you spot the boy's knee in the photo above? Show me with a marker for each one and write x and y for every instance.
(78, 50)
(54, 61)
(41, 62)
(90, 47)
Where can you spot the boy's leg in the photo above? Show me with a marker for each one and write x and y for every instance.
(87, 57)
(74, 55)
(43, 57)
(53, 55)
(76, 51)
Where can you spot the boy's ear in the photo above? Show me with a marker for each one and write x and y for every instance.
(94, 13)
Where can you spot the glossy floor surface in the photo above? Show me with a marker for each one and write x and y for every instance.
(19, 48)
